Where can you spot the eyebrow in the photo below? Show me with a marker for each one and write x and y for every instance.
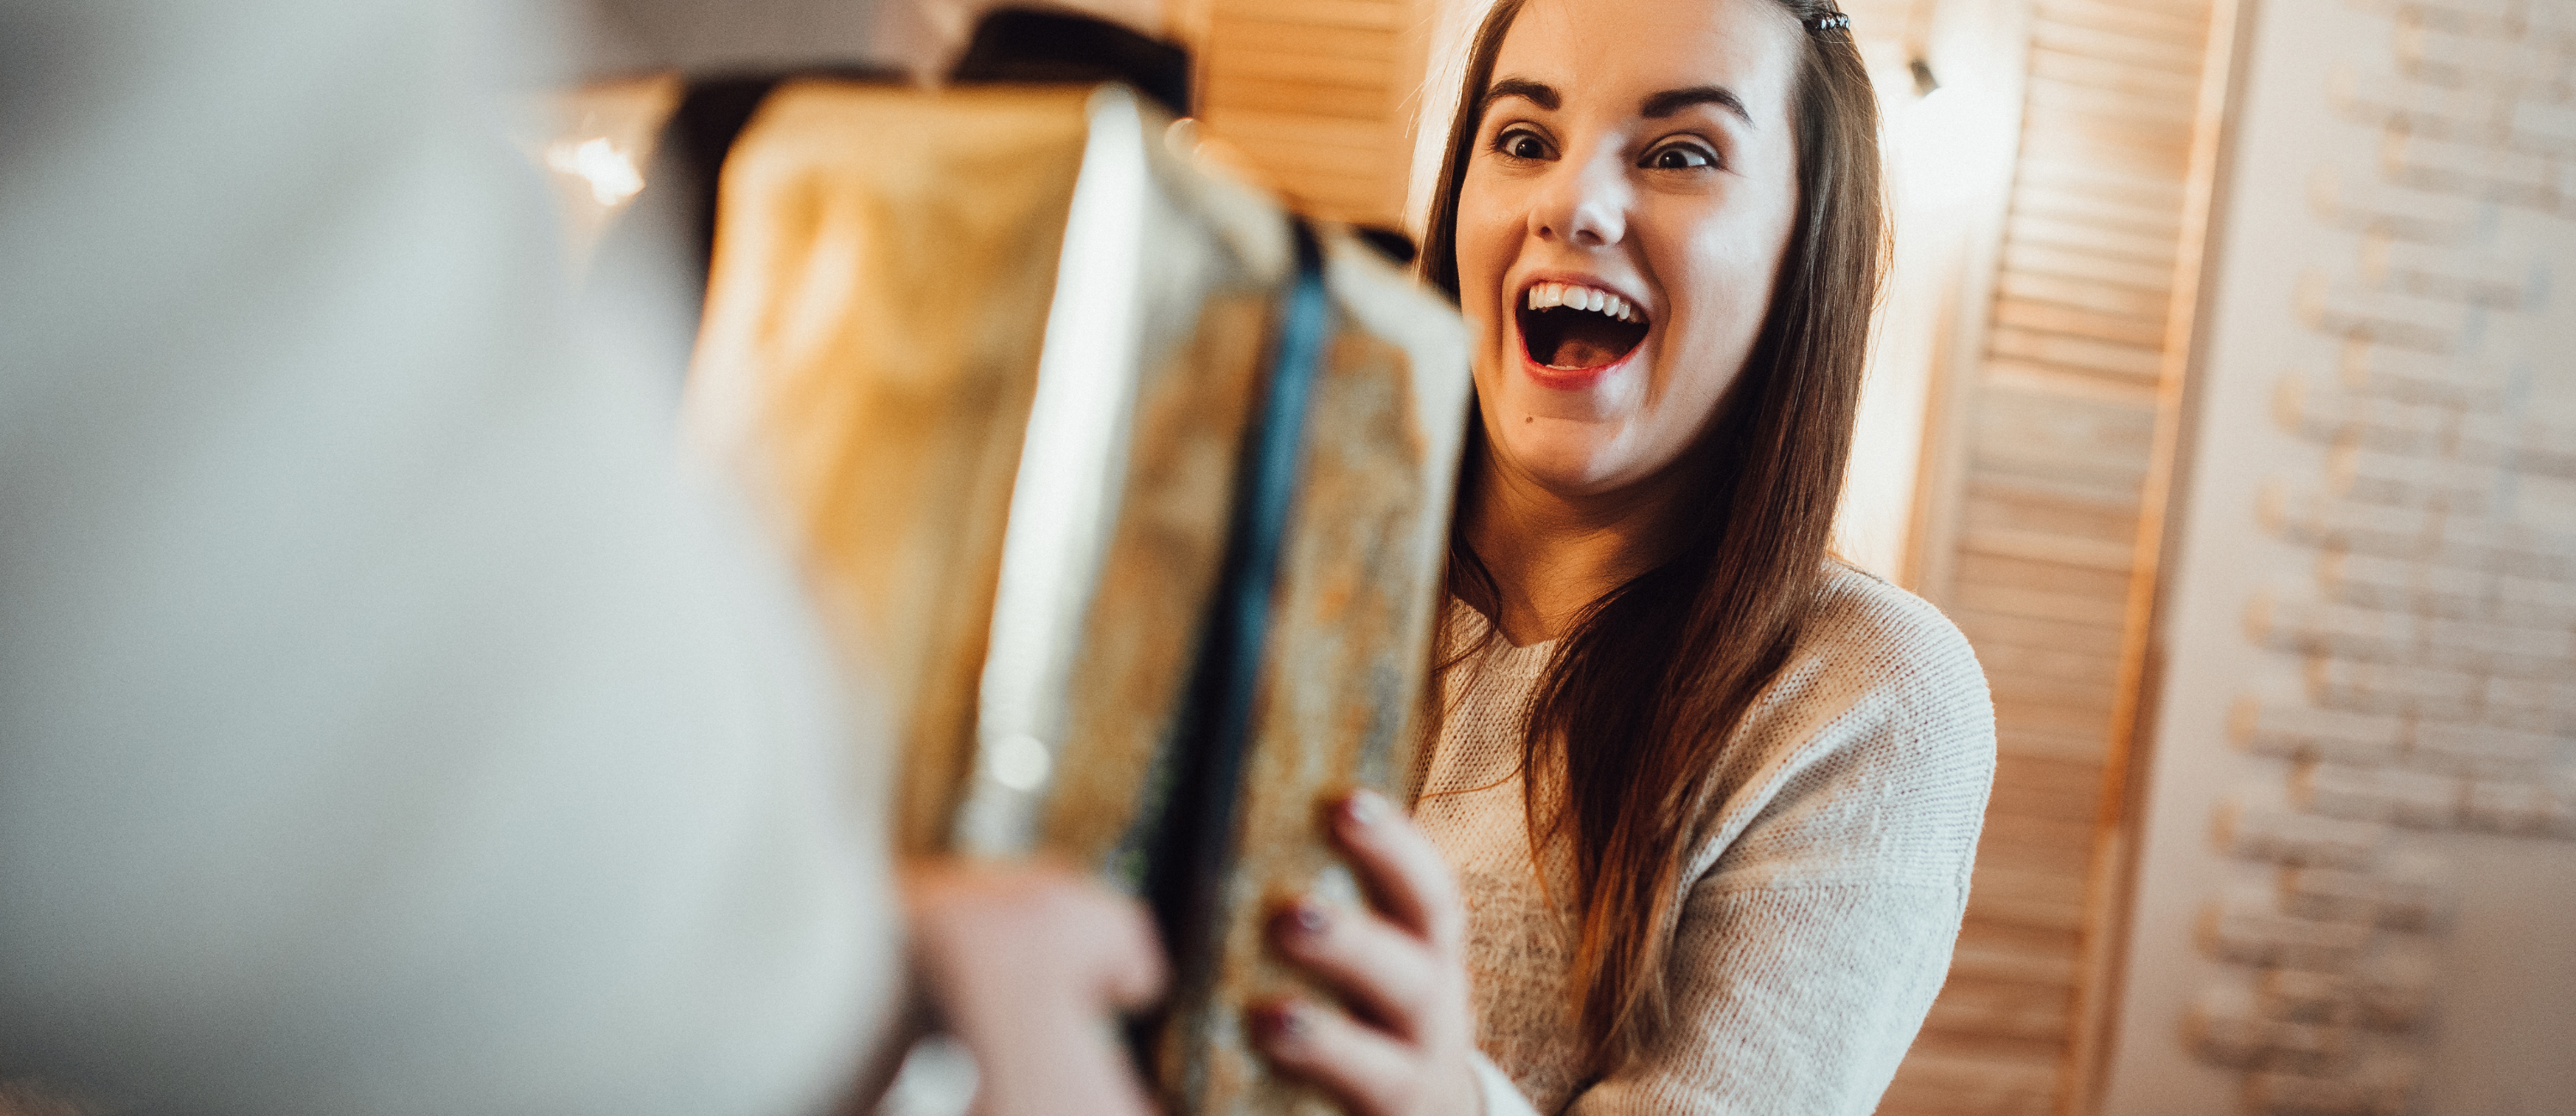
(1672, 101)
(1655, 107)
(1543, 96)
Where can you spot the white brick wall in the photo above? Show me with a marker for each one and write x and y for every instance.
(2436, 630)
(2380, 1089)
(2368, 203)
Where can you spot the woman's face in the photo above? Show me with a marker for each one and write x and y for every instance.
(1631, 193)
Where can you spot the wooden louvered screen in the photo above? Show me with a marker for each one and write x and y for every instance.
(1317, 95)
(2038, 517)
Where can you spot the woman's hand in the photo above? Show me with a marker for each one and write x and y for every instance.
(1027, 966)
(1405, 1046)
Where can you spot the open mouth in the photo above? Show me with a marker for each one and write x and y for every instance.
(1572, 328)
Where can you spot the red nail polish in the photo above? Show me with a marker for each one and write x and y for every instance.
(1285, 1021)
(1303, 919)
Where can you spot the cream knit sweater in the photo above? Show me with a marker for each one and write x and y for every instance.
(1821, 900)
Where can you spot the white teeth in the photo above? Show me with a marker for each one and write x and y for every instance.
(1543, 296)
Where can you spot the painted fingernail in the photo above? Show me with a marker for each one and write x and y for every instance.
(1306, 919)
(1283, 1023)
(1366, 807)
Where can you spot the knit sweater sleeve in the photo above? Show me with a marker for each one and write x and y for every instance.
(1832, 881)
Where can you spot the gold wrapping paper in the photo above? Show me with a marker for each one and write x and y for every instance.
(886, 264)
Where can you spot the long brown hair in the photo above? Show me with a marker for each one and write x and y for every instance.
(1648, 684)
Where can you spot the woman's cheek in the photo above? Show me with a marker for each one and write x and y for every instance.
(1486, 246)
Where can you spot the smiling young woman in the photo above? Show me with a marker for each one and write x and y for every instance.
(1699, 803)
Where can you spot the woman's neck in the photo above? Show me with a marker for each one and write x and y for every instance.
(1551, 555)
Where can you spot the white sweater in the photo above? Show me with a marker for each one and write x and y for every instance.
(1821, 900)
(390, 721)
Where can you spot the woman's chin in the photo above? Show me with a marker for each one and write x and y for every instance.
(1568, 456)
(1574, 432)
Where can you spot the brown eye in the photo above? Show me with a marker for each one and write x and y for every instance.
(1680, 156)
(1520, 143)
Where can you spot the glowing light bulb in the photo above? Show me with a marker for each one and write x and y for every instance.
(610, 172)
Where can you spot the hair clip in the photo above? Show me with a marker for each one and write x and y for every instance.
(1835, 22)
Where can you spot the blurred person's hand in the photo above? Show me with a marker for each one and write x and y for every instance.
(1028, 967)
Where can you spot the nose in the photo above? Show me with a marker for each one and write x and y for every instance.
(1585, 203)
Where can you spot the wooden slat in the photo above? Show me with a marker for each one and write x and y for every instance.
(2132, 105)
(2022, 377)
(1228, 94)
(2051, 721)
(2065, 705)
(2028, 870)
(1973, 1082)
(1358, 206)
(2083, 639)
(2095, 204)
(2011, 601)
(2042, 259)
(1293, 128)
(2010, 834)
(2029, 511)
(2068, 788)
(2176, 58)
(2014, 463)
(1381, 15)
(1985, 569)
(2080, 406)
(1992, 952)
(1977, 933)
(2060, 430)
(1311, 177)
(2137, 21)
(2088, 745)
(2002, 849)
(2008, 503)
(2007, 1008)
(2193, 9)
(2006, 659)
(2075, 67)
(2089, 237)
(2044, 902)
(1297, 65)
(2157, 188)
(2104, 151)
(2133, 141)
(1304, 38)
(2051, 317)
(2079, 353)
(2108, 298)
